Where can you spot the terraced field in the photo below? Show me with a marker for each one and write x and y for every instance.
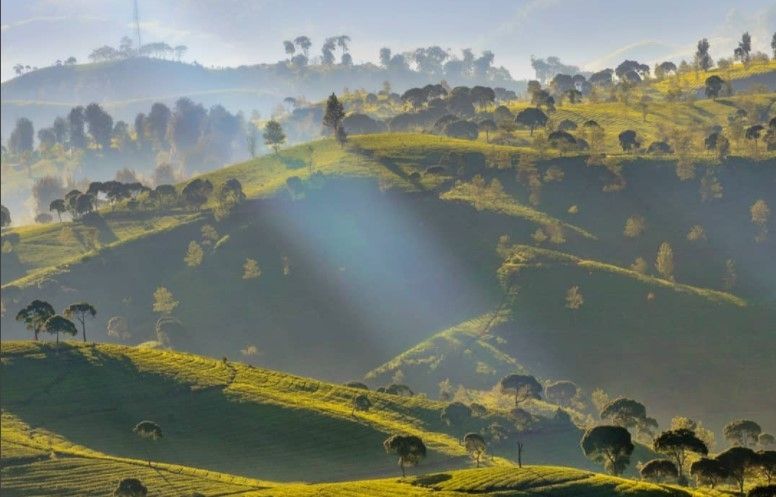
(36, 462)
(217, 415)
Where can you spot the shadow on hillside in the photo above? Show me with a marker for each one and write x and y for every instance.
(390, 166)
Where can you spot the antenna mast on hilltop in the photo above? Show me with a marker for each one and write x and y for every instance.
(137, 26)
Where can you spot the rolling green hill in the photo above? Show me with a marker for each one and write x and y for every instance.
(68, 413)
(376, 259)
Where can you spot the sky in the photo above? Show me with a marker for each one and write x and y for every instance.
(592, 34)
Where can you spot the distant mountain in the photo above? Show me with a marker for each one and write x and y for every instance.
(128, 86)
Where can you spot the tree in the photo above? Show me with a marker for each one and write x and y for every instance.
(703, 60)
(628, 140)
(531, 117)
(562, 392)
(676, 444)
(635, 226)
(130, 487)
(57, 324)
(665, 261)
(574, 298)
(196, 192)
(610, 446)
(22, 137)
(766, 440)
(488, 126)
(760, 215)
(35, 315)
(762, 491)
(80, 311)
(100, 125)
(75, 125)
(360, 403)
(628, 413)
(737, 461)
(409, 448)
(765, 462)
(742, 432)
(475, 446)
(273, 135)
(335, 112)
(148, 430)
(5, 216)
(753, 134)
(659, 471)
(714, 86)
(164, 302)
(523, 387)
(230, 193)
(194, 254)
(744, 48)
(708, 471)
(455, 414)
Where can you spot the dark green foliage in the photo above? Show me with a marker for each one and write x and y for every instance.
(561, 392)
(628, 140)
(743, 432)
(410, 449)
(196, 192)
(523, 387)
(22, 137)
(100, 124)
(356, 384)
(335, 112)
(35, 316)
(737, 461)
(531, 117)
(629, 413)
(659, 471)
(57, 324)
(273, 135)
(462, 129)
(714, 86)
(81, 311)
(148, 429)
(708, 472)
(677, 443)
(130, 487)
(398, 389)
(610, 446)
(765, 462)
(361, 403)
(455, 413)
(5, 216)
(475, 446)
(762, 491)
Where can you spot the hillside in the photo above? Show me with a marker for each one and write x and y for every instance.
(68, 413)
(363, 216)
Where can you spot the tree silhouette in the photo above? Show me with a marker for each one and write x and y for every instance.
(148, 430)
(676, 444)
(475, 446)
(130, 487)
(57, 324)
(81, 311)
(523, 387)
(738, 461)
(273, 135)
(360, 403)
(742, 432)
(35, 315)
(531, 117)
(628, 413)
(410, 449)
(5, 216)
(659, 471)
(610, 446)
(708, 471)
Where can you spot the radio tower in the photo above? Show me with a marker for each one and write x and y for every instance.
(137, 26)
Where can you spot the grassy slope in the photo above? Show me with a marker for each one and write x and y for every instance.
(390, 158)
(218, 416)
(35, 462)
(41, 463)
